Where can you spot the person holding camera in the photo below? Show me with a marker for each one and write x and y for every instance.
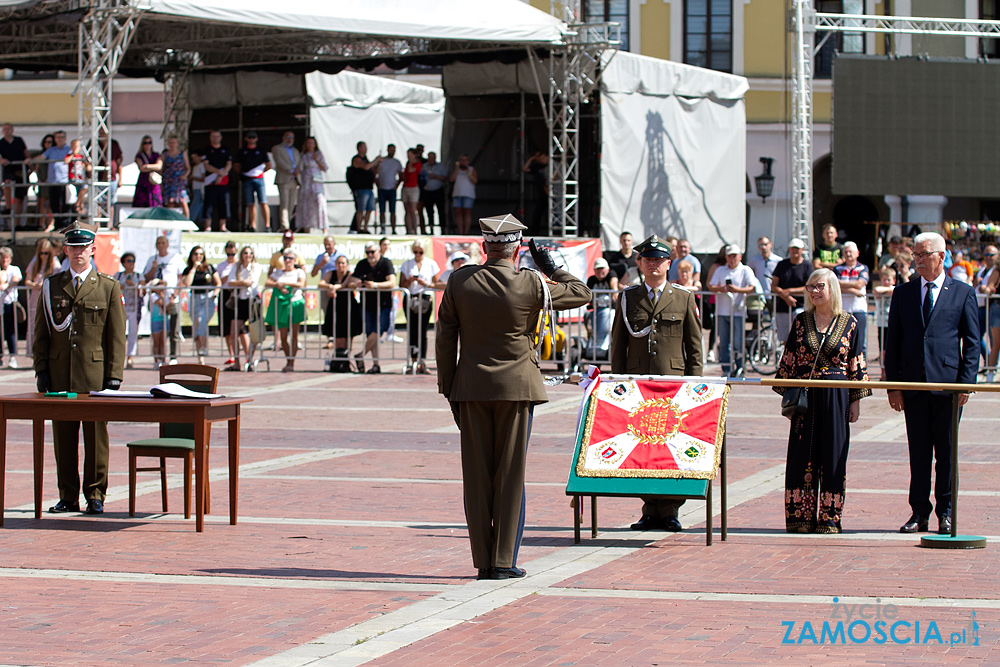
(734, 281)
(419, 275)
(463, 195)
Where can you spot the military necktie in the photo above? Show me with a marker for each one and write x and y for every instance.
(76, 283)
(928, 303)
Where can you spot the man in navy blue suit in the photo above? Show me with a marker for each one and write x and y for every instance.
(932, 337)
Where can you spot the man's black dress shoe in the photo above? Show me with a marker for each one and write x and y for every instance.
(647, 522)
(673, 524)
(507, 573)
(62, 507)
(944, 525)
(914, 525)
(94, 506)
(484, 573)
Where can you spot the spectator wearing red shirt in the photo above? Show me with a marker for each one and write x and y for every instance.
(411, 190)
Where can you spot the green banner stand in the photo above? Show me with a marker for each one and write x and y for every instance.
(629, 487)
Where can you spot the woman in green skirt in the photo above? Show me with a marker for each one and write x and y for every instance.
(287, 309)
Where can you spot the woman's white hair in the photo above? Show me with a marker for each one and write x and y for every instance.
(832, 288)
(935, 239)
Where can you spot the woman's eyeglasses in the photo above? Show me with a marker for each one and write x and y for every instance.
(818, 287)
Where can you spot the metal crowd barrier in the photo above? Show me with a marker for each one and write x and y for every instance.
(582, 337)
(28, 185)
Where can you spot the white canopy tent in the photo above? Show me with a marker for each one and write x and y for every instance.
(672, 144)
(494, 21)
(346, 108)
(673, 152)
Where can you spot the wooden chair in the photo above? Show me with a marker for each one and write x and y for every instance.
(176, 441)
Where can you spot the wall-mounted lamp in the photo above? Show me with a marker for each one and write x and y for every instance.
(765, 182)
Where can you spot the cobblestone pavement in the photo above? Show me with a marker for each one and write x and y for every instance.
(351, 549)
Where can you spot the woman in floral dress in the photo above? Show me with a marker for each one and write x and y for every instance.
(310, 213)
(818, 441)
(176, 169)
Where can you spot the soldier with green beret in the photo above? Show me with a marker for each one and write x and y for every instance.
(657, 331)
(79, 346)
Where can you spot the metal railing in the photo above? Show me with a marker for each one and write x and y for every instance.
(582, 336)
(30, 189)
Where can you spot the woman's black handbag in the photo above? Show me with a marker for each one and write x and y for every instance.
(795, 400)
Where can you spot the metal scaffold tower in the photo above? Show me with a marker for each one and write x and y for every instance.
(574, 71)
(805, 23)
(105, 33)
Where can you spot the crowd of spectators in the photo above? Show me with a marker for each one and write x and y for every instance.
(865, 291)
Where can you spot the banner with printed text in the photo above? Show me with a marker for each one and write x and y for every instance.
(645, 428)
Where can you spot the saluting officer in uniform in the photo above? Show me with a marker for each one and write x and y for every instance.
(657, 331)
(79, 346)
(493, 309)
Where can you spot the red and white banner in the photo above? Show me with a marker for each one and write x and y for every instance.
(648, 428)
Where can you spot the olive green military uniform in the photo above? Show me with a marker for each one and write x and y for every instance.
(90, 350)
(660, 339)
(494, 309)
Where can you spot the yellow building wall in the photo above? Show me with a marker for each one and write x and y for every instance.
(763, 38)
(773, 106)
(40, 109)
(654, 29)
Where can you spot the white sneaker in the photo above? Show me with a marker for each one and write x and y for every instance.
(13, 364)
(989, 374)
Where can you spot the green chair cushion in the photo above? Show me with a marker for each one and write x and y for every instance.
(166, 443)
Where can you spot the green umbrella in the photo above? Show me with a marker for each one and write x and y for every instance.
(159, 217)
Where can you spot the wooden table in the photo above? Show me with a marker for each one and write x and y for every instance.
(200, 413)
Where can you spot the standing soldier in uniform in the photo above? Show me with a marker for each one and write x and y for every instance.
(494, 310)
(658, 333)
(79, 346)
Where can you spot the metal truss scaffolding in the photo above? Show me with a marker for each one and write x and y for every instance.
(805, 23)
(105, 33)
(574, 71)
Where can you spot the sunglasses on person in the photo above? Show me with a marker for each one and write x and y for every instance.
(230, 254)
(369, 252)
(418, 252)
(150, 143)
(289, 258)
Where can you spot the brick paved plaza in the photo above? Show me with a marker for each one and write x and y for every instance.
(351, 549)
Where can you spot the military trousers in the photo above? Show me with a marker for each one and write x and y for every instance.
(494, 451)
(96, 450)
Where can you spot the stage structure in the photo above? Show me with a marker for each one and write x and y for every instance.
(171, 39)
(806, 22)
(662, 145)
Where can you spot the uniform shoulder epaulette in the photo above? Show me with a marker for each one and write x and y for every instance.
(681, 287)
(105, 275)
(631, 287)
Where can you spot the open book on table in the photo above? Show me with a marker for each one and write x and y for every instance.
(165, 390)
